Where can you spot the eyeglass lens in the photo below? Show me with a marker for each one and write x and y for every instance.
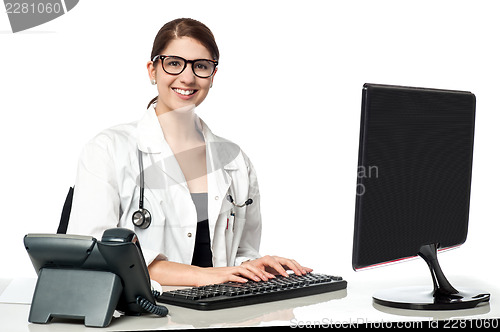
(175, 65)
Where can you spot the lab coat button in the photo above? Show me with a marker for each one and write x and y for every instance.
(216, 197)
(189, 234)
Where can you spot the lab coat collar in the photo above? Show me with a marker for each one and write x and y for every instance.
(149, 134)
(221, 152)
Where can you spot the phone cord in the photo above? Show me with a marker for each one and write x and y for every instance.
(151, 307)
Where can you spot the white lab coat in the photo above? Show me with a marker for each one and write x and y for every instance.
(107, 194)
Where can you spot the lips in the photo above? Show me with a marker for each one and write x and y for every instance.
(184, 92)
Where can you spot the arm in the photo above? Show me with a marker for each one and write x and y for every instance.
(96, 201)
(178, 274)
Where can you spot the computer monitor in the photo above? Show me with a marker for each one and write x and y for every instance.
(413, 187)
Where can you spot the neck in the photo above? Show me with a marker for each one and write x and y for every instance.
(180, 126)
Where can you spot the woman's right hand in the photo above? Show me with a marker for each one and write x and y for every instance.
(177, 274)
(242, 273)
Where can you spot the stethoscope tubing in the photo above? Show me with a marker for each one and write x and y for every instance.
(231, 200)
(141, 181)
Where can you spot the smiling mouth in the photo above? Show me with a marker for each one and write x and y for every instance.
(184, 92)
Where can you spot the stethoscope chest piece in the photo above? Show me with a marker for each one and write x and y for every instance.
(141, 218)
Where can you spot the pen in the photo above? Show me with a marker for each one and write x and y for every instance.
(227, 221)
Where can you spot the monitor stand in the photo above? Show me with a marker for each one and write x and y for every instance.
(443, 297)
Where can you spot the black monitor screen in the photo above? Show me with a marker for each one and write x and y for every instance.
(414, 171)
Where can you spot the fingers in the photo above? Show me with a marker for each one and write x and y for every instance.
(267, 267)
(253, 272)
(281, 264)
(293, 265)
(273, 262)
(218, 275)
(258, 271)
(269, 275)
(237, 278)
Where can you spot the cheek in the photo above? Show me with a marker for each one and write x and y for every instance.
(203, 86)
(203, 92)
(165, 80)
(163, 89)
(204, 83)
(164, 84)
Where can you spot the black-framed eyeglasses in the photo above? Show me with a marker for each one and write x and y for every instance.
(174, 65)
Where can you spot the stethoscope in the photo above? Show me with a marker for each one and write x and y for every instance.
(142, 217)
(247, 202)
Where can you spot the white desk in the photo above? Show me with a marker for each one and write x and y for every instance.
(353, 305)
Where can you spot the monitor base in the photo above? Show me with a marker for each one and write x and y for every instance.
(422, 298)
(443, 297)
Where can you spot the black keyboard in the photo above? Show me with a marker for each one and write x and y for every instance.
(233, 294)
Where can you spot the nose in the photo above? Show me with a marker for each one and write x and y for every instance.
(187, 76)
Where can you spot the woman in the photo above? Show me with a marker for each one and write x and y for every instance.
(199, 191)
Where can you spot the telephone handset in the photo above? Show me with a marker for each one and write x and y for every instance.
(137, 296)
(79, 276)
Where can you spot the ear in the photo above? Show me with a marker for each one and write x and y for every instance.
(151, 70)
(212, 78)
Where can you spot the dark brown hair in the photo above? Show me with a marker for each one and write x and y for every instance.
(184, 27)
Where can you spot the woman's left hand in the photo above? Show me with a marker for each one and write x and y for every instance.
(273, 265)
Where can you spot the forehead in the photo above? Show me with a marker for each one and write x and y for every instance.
(187, 48)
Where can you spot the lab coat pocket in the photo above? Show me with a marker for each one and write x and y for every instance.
(233, 235)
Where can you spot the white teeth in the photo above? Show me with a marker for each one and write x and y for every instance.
(184, 92)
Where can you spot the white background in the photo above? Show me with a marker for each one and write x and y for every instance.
(288, 91)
